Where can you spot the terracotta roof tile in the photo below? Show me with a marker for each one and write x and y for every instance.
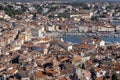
(99, 78)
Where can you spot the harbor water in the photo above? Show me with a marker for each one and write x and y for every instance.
(78, 39)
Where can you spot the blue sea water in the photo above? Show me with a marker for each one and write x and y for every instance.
(78, 39)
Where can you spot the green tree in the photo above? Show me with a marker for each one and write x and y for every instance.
(40, 10)
(94, 18)
(51, 16)
(1, 7)
(104, 78)
(115, 77)
(24, 8)
(9, 10)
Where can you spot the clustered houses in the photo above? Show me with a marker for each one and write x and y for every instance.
(30, 50)
(51, 58)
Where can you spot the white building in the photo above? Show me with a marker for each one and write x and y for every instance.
(110, 29)
(83, 28)
(102, 43)
(36, 33)
(66, 46)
